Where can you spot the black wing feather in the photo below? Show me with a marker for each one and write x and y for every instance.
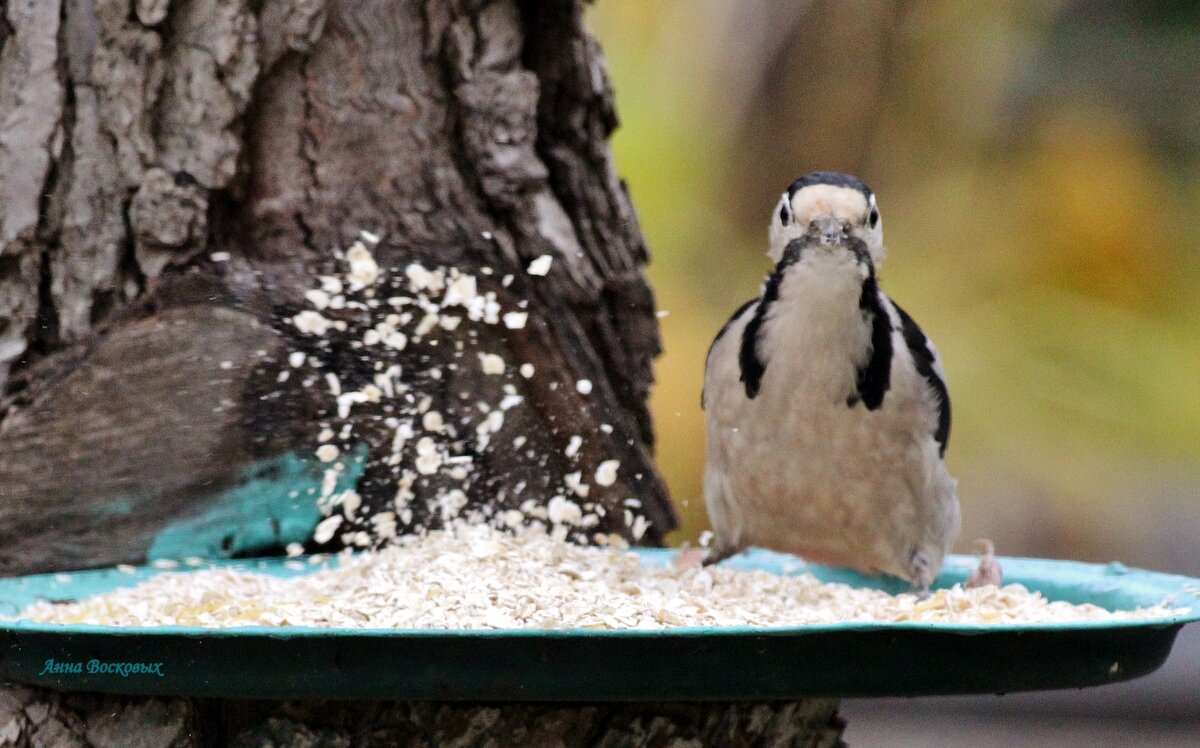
(875, 377)
(752, 366)
(918, 346)
(720, 334)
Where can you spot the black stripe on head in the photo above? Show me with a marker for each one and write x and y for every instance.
(751, 364)
(918, 346)
(874, 377)
(834, 178)
(720, 334)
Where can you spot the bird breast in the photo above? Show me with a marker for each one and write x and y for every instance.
(806, 471)
(814, 337)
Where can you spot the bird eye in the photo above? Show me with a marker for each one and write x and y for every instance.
(783, 214)
(846, 227)
(874, 217)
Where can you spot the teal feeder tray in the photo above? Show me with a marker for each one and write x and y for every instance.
(685, 664)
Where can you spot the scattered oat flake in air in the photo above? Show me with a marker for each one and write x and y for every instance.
(327, 453)
(526, 370)
(318, 298)
(460, 292)
(515, 320)
(584, 386)
(326, 528)
(573, 446)
(311, 322)
(491, 363)
(427, 323)
(574, 483)
(350, 501)
(639, 527)
(363, 270)
(606, 472)
(563, 511)
(540, 266)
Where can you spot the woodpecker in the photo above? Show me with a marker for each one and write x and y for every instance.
(826, 406)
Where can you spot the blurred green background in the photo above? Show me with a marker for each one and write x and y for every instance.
(1036, 167)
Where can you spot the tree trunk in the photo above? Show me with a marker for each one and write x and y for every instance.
(141, 140)
(174, 176)
(36, 718)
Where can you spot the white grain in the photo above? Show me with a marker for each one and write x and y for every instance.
(474, 577)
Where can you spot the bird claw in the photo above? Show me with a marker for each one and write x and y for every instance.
(989, 571)
(719, 553)
(920, 573)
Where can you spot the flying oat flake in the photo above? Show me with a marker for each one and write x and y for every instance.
(428, 451)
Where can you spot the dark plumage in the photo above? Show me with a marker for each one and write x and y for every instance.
(721, 333)
(875, 376)
(923, 356)
(833, 178)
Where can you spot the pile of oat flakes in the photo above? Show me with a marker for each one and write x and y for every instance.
(477, 577)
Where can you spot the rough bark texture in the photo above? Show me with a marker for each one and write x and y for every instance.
(30, 717)
(141, 139)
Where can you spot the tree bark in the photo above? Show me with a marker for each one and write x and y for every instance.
(173, 177)
(141, 139)
(30, 717)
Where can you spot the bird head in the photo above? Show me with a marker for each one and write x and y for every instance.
(828, 209)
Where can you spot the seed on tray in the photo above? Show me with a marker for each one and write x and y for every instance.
(477, 577)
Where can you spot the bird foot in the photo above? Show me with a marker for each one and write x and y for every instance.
(989, 571)
(719, 552)
(920, 573)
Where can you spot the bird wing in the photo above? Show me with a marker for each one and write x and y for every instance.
(929, 366)
(720, 334)
(874, 375)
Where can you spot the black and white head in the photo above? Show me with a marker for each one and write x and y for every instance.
(829, 206)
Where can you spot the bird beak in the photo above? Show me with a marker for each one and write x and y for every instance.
(826, 229)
